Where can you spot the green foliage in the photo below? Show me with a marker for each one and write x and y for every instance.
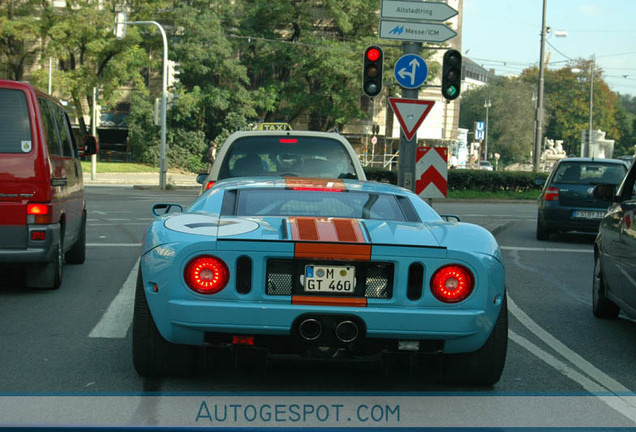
(460, 180)
(20, 29)
(567, 104)
(381, 175)
(493, 181)
(510, 117)
(626, 119)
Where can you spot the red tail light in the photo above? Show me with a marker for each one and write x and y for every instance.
(317, 189)
(206, 274)
(288, 141)
(39, 213)
(243, 340)
(209, 185)
(452, 283)
(551, 194)
(38, 235)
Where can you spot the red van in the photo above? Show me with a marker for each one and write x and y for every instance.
(42, 206)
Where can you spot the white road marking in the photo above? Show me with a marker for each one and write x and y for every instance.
(117, 319)
(616, 402)
(545, 249)
(603, 382)
(113, 244)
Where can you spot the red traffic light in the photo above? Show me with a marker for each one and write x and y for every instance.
(373, 54)
(372, 71)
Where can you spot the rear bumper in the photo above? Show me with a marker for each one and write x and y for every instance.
(461, 330)
(560, 219)
(36, 251)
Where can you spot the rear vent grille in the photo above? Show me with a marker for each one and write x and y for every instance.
(243, 275)
(416, 280)
(373, 279)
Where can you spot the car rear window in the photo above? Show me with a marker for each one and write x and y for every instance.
(589, 173)
(15, 125)
(300, 156)
(345, 204)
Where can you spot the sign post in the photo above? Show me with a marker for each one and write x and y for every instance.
(411, 22)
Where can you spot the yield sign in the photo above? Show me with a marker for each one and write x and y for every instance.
(410, 113)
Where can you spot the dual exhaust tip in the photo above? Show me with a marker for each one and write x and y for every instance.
(346, 330)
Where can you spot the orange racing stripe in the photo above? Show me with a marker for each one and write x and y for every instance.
(334, 185)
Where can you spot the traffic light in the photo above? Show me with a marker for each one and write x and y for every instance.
(452, 74)
(372, 73)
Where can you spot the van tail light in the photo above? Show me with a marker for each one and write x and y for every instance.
(209, 185)
(551, 194)
(206, 274)
(452, 283)
(38, 235)
(39, 213)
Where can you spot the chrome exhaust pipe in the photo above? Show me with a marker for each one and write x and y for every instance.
(310, 329)
(347, 331)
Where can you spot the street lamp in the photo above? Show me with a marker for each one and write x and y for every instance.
(586, 148)
(487, 105)
(538, 136)
(120, 33)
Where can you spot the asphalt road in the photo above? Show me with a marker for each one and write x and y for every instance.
(76, 341)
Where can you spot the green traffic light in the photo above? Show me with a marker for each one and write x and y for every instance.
(451, 91)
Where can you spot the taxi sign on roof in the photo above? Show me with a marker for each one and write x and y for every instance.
(275, 126)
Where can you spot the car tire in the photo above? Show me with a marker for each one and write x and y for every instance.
(484, 366)
(153, 356)
(602, 307)
(48, 276)
(543, 233)
(77, 254)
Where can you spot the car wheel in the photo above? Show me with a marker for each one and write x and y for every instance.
(77, 254)
(601, 305)
(153, 356)
(49, 275)
(484, 366)
(543, 233)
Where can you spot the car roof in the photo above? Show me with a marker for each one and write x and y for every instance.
(596, 160)
(239, 134)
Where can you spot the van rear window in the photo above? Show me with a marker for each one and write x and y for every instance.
(15, 125)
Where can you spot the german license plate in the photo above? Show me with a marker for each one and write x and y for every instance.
(329, 279)
(588, 214)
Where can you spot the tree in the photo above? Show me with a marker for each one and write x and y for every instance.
(87, 55)
(567, 102)
(626, 119)
(511, 120)
(20, 29)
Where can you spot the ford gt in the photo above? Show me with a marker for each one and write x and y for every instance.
(314, 267)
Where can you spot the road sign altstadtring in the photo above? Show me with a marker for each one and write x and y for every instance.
(410, 113)
(410, 10)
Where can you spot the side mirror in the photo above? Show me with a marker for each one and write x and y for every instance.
(201, 177)
(450, 218)
(539, 182)
(89, 146)
(605, 192)
(165, 208)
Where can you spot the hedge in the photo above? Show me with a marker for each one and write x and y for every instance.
(480, 180)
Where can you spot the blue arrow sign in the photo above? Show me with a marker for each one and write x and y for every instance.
(410, 71)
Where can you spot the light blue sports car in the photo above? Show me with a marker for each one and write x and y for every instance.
(318, 267)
